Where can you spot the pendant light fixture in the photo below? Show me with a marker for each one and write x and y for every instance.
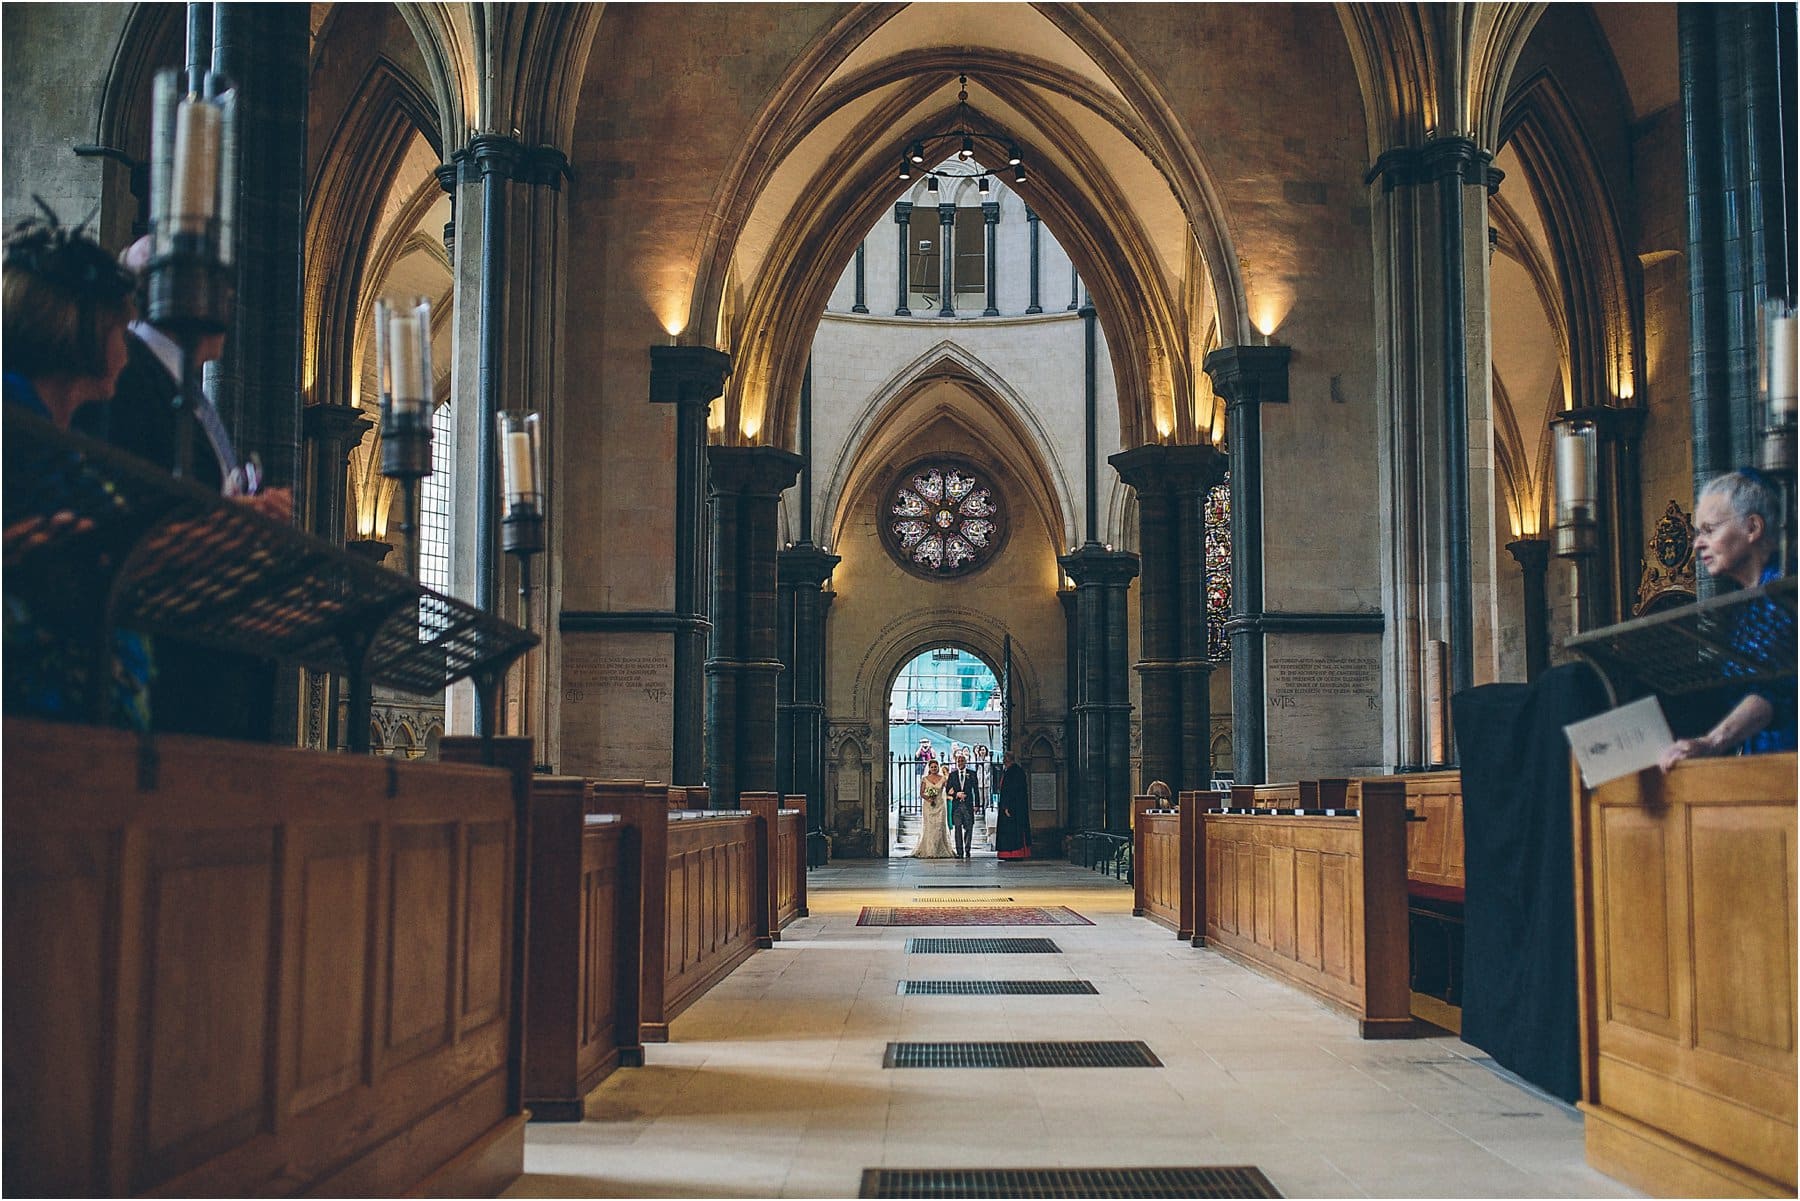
(966, 133)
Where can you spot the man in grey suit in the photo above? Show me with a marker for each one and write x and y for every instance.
(962, 790)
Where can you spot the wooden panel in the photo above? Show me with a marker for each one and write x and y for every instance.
(486, 916)
(336, 866)
(1326, 916)
(420, 982)
(712, 868)
(199, 955)
(57, 922)
(1686, 889)
(209, 904)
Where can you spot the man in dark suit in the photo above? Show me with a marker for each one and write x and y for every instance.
(961, 788)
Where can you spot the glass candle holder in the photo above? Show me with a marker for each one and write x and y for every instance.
(1577, 486)
(521, 480)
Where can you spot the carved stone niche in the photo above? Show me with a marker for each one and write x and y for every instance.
(1668, 564)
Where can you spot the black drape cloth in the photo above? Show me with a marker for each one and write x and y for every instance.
(1519, 991)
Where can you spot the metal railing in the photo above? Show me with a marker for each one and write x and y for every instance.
(1102, 852)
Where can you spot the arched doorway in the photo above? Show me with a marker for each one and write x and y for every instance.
(942, 701)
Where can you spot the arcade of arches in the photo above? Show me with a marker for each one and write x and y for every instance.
(1223, 420)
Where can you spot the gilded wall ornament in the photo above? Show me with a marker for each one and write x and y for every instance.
(1668, 564)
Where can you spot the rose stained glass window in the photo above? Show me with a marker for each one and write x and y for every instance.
(942, 518)
(1218, 570)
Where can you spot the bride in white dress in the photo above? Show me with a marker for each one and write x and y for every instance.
(934, 841)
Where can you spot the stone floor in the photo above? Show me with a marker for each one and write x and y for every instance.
(772, 1084)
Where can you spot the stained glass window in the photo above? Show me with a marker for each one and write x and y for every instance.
(942, 518)
(1218, 569)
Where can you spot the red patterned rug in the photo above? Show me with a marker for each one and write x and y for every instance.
(970, 915)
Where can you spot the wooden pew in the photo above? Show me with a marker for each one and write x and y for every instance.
(1435, 886)
(1685, 888)
(791, 894)
(1315, 901)
(581, 1008)
(1267, 796)
(238, 969)
(1163, 857)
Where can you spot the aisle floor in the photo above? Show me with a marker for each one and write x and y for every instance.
(772, 1085)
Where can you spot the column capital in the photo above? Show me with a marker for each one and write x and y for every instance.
(1157, 467)
(1031, 214)
(946, 213)
(544, 167)
(1098, 565)
(1439, 158)
(751, 470)
(990, 211)
(450, 174)
(336, 425)
(1248, 375)
(1531, 554)
(902, 212)
(495, 154)
(693, 375)
(806, 564)
(1614, 422)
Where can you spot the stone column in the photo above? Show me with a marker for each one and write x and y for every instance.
(947, 259)
(802, 573)
(1033, 224)
(903, 222)
(1174, 673)
(1247, 377)
(1533, 557)
(745, 485)
(690, 378)
(1100, 677)
(861, 305)
(990, 215)
(1440, 542)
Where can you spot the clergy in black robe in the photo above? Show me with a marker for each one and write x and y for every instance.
(1012, 830)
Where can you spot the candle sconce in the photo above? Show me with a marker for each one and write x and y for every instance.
(1577, 506)
(190, 278)
(522, 497)
(403, 366)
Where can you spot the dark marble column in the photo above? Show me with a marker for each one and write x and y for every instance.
(690, 378)
(800, 705)
(1100, 706)
(1247, 377)
(903, 221)
(1074, 288)
(947, 259)
(1737, 96)
(990, 215)
(1174, 673)
(1034, 224)
(745, 484)
(265, 50)
(861, 304)
(332, 432)
(1533, 557)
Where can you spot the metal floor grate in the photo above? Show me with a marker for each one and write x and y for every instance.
(1066, 1182)
(1020, 1055)
(994, 988)
(982, 946)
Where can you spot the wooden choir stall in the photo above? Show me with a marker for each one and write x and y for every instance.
(1686, 887)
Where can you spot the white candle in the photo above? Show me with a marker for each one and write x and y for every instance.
(521, 479)
(194, 192)
(1782, 360)
(408, 369)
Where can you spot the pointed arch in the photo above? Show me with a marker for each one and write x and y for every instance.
(948, 360)
(344, 214)
(1597, 308)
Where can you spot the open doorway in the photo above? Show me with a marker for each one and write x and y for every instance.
(943, 700)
